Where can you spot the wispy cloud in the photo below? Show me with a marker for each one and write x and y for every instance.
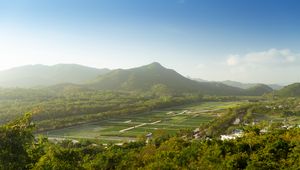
(269, 57)
(269, 66)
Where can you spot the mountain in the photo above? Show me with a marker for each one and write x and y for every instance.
(251, 89)
(258, 90)
(239, 84)
(292, 90)
(42, 75)
(142, 78)
(146, 77)
(199, 80)
(248, 85)
(275, 86)
(155, 77)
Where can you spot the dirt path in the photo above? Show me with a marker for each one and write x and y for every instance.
(140, 125)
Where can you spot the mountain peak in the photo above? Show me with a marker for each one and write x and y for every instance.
(155, 65)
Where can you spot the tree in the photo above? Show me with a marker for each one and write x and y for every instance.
(15, 140)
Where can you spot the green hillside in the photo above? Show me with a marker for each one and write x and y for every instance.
(152, 77)
(249, 85)
(149, 76)
(292, 90)
(258, 90)
(42, 75)
(238, 84)
(143, 78)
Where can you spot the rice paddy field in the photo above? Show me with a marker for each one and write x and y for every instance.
(129, 128)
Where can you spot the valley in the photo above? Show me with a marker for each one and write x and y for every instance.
(134, 126)
(148, 116)
(149, 85)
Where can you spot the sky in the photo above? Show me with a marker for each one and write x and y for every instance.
(241, 40)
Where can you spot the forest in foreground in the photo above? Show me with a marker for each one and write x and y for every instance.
(279, 148)
(264, 145)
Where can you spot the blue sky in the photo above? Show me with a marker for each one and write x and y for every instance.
(243, 40)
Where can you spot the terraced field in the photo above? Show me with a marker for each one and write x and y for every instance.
(128, 128)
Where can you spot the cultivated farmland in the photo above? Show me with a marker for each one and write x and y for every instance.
(129, 128)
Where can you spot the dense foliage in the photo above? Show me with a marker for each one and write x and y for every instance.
(277, 149)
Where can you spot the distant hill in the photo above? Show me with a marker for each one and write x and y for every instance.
(146, 77)
(199, 80)
(292, 90)
(42, 75)
(251, 89)
(143, 78)
(249, 85)
(258, 90)
(239, 84)
(275, 86)
(152, 77)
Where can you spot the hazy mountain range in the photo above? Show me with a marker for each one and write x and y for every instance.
(136, 79)
(242, 85)
(42, 75)
(292, 90)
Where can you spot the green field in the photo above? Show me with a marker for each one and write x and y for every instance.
(126, 128)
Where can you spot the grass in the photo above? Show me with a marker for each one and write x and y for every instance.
(171, 120)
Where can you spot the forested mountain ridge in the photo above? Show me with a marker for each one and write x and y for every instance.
(240, 84)
(292, 90)
(258, 90)
(248, 85)
(41, 75)
(144, 78)
(151, 77)
(155, 75)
